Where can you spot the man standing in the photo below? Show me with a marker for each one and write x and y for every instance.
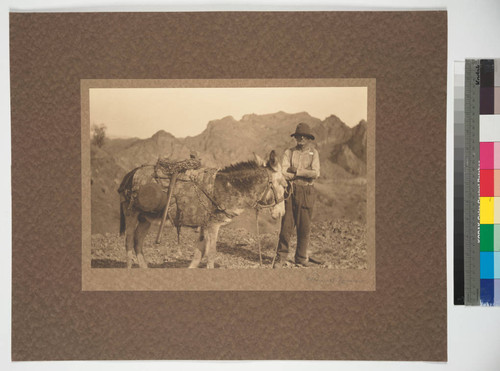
(301, 168)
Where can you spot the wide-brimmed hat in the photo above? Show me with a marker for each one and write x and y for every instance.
(304, 130)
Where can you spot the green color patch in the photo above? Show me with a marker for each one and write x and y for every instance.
(487, 237)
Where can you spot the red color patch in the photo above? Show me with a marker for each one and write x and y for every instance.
(487, 183)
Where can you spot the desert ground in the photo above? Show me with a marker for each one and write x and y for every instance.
(336, 245)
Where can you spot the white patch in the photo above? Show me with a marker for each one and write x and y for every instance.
(237, 211)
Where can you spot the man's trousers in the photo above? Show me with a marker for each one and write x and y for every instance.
(298, 213)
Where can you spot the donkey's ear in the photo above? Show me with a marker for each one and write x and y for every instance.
(273, 161)
(259, 160)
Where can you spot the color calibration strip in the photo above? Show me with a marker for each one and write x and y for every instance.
(489, 154)
(481, 187)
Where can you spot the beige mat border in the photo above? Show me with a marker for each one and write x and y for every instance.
(119, 279)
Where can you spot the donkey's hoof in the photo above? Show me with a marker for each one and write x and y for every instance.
(141, 261)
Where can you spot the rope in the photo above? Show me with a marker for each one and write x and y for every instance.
(217, 206)
(277, 245)
(258, 236)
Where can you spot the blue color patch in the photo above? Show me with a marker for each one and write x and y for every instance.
(487, 292)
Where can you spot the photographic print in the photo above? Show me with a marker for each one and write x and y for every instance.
(255, 176)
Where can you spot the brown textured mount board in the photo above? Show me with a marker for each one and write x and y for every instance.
(403, 319)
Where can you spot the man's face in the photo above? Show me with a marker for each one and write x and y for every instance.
(302, 140)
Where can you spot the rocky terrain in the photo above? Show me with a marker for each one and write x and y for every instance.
(335, 245)
(339, 231)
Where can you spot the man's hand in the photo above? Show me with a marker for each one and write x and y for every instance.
(292, 170)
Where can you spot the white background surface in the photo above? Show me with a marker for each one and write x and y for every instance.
(489, 128)
(473, 332)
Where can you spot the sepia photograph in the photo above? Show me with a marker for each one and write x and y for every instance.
(252, 175)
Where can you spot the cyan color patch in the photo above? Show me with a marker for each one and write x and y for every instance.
(487, 265)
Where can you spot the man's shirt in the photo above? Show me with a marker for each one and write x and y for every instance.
(305, 160)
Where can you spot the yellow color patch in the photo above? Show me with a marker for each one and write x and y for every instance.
(487, 210)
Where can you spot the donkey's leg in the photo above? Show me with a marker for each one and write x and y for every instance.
(213, 231)
(179, 251)
(131, 224)
(199, 249)
(140, 233)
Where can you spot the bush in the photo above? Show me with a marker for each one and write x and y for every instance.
(98, 135)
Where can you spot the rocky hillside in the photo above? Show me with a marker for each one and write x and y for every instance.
(341, 187)
(147, 151)
(227, 140)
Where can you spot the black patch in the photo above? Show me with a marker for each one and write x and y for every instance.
(244, 165)
(126, 183)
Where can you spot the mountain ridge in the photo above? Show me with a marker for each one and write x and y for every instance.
(226, 141)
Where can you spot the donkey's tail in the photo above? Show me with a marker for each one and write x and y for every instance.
(122, 221)
(125, 185)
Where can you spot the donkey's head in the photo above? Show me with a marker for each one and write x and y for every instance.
(274, 197)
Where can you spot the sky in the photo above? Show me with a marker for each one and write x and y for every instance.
(141, 112)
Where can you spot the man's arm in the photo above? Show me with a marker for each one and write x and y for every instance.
(287, 164)
(313, 172)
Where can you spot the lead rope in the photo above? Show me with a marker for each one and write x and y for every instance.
(277, 245)
(258, 236)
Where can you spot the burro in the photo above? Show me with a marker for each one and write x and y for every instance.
(202, 197)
